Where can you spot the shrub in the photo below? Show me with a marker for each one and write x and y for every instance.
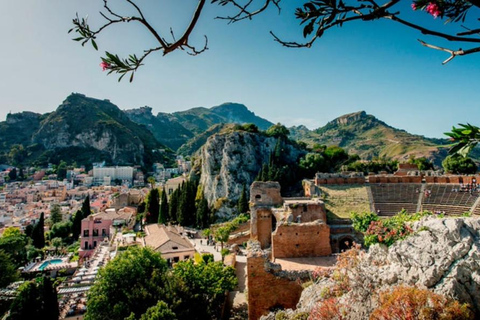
(328, 309)
(361, 221)
(413, 303)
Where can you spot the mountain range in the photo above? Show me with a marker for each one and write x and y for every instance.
(87, 130)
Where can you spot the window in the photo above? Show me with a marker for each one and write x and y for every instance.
(95, 232)
(175, 248)
(104, 233)
(86, 245)
(86, 233)
(94, 244)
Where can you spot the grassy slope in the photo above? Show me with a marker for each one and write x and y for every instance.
(341, 200)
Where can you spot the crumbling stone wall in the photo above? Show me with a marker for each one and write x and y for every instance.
(301, 240)
(263, 197)
(268, 286)
(307, 212)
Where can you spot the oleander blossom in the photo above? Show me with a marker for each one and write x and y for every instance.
(104, 65)
(414, 6)
(433, 9)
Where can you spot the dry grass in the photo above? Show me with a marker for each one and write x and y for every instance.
(341, 200)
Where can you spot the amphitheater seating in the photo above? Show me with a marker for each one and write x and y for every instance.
(448, 194)
(395, 192)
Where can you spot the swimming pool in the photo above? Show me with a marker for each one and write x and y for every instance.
(49, 262)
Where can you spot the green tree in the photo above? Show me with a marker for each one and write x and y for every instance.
(202, 288)
(277, 130)
(57, 243)
(61, 230)
(86, 207)
(77, 224)
(221, 235)
(131, 283)
(8, 270)
(203, 213)
(12, 174)
(151, 181)
(459, 165)
(422, 163)
(62, 170)
(464, 139)
(13, 242)
(152, 207)
(34, 299)
(163, 213)
(38, 235)
(55, 214)
(160, 311)
(243, 201)
(17, 154)
(173, 205)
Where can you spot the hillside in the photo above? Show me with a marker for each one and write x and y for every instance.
(365, 135)
(177, 128)
(164, 127)
(82, 129)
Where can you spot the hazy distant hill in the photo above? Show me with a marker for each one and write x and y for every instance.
(177, 128)
(164, 127)
(369, 137)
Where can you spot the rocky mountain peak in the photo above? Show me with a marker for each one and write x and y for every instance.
(350, 118)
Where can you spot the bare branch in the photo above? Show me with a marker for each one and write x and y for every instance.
(245, 13)
(453, 53)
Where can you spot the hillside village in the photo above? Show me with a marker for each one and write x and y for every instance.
(267, 217)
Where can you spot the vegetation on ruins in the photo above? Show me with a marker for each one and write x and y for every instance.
(317, 17)
(139, 279)
(385, 231)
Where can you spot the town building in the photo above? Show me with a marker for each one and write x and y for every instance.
(107, 175)
(169, 241)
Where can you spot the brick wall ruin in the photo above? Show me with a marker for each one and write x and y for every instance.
(301, 240)
(268, 286)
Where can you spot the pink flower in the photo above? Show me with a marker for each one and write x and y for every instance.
(433, 9)
(104, 65)
(414, 6)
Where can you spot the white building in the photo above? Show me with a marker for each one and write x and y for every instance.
(114, 173)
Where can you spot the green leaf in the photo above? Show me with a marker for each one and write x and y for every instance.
(94, 44)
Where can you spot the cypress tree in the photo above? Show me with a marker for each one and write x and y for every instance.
(163, 213)
(38, 236)
(173, 206)
(153, 206)
(86, 207)
(265, 172)
(77, 224)
(182, 205)
(202, 213)
(243, 201)
(50, 301)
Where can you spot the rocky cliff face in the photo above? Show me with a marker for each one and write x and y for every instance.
(442, 256)
(230, 160)
(91, 123)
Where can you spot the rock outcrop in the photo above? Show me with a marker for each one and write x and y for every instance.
(443, 256)
(230, 160)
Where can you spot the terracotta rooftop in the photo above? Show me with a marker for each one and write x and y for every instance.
(165, 239)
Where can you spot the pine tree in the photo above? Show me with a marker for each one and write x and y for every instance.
(163, 213)
(55, 214)
(153, 206)
(243, 201)
(38, 236)
(86, 207)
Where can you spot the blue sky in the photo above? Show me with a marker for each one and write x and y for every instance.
(377, 66)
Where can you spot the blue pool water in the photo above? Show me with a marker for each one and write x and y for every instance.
(49, 262)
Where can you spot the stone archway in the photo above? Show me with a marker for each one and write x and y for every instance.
(345, 243)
